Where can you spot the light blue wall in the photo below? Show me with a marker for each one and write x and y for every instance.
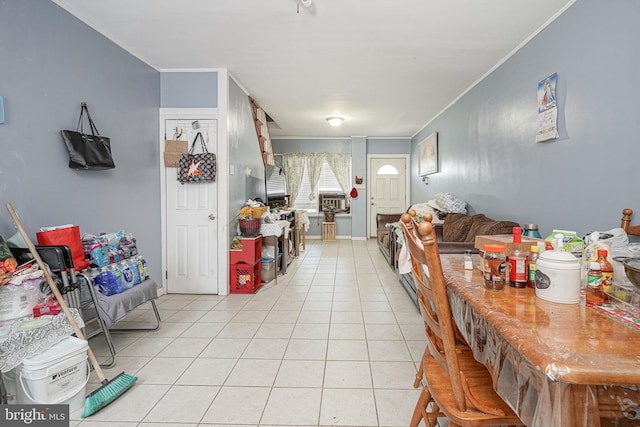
(582, 180)
(244, 152)
(189, 90)
(388, 145)
(359, 204)
(50, 62)
(312, 145)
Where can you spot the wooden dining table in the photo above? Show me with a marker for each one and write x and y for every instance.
(556, 365)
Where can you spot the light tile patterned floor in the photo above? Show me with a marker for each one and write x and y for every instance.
(335, 343)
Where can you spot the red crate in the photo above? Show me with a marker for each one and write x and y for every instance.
(250, 253)
(244, 278)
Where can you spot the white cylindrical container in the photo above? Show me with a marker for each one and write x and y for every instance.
(57, 375)
(558, 277)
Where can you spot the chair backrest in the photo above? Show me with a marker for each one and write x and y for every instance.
(57, 257)
(53, 256)
(625, 223)
(441, 331)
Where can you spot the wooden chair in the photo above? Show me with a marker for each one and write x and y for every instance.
(457, 386)
(625, 224)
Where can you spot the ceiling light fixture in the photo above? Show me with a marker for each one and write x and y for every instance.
(305, 3)
(335, 121)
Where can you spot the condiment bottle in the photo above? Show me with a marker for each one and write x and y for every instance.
(607, 271)
(468, 260)
(594, 293)
(495, 266)
(518, 261)
(532, 266)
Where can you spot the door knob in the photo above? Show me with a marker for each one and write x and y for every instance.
(212, 217)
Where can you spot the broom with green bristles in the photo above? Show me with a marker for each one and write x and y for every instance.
(110, 390)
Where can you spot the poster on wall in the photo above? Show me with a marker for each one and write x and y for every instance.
(547, 109)
(428, 155)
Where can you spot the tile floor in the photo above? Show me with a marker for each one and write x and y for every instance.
(335, 343)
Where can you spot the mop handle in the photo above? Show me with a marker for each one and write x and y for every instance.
(54, 289)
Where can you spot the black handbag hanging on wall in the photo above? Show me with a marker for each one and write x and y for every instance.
(87, 151)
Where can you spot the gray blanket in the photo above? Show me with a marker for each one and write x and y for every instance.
(115, 307)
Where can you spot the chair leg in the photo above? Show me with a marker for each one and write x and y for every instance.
(102, 327)
(155, 328)
(419, 413)
(432, 413)
(419, 374)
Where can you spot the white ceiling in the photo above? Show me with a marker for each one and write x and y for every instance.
(387, 67)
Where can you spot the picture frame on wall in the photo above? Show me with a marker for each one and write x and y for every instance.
(428, 155)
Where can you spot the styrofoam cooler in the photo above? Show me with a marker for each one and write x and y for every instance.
(58, 375)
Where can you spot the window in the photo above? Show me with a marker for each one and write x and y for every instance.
(387, 170)
(327, 183)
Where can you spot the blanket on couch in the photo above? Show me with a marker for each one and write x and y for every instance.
(465, 228)
(460, 228)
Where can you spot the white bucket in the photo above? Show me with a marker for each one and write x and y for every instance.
(58, 375)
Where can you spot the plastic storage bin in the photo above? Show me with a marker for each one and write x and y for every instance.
(58, 375)
(269, 269)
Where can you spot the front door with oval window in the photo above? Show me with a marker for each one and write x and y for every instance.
(388, 188)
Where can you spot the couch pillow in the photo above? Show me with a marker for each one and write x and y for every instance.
(487, 226)
(456, 227)
(451, 203)
(422, 209)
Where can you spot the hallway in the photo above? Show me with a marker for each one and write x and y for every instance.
(335, 343)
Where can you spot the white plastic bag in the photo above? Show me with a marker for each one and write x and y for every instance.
(20, 295)
(617, 240)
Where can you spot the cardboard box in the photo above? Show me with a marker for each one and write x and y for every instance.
(506, 240)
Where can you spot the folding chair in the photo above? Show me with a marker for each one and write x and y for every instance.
(78, 291)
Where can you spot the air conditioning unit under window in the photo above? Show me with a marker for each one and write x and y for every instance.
(339, 200)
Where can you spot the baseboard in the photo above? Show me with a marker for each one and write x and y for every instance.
(314, 237)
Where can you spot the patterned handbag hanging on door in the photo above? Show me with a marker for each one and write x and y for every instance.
(198, 167)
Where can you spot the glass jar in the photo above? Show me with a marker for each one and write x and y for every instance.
(495, 266)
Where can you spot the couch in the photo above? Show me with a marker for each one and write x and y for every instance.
(455, 234)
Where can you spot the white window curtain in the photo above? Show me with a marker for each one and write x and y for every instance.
(293, 165)
(314, 169)
(341, 166)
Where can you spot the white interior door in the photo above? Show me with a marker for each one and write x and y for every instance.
(388, 187)
(191, 223)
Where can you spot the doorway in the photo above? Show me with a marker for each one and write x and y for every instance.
(190, 212)
(388, 186)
